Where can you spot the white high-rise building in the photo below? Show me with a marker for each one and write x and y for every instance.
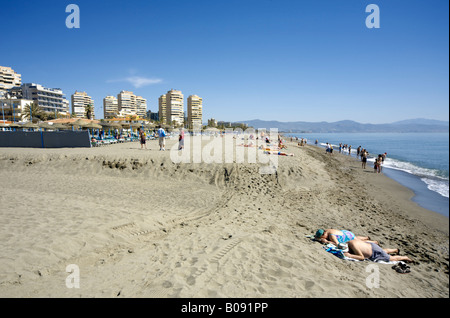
(80, 101)
(49, 99)
(195, 112)
(141, 106)
(130, 105)
(174, 107)
(162, 108)
(9, 79)
(110, 107)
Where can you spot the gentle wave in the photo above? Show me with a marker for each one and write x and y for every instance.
(433, 178)
(438, 186)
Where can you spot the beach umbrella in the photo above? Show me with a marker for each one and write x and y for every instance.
(29, 125)
(14, 125)
(149, 126)
(45, 125)
(78, 123)
(93, 125)
(60, 126)
(81, 123)
(111, 125)
(117, 126)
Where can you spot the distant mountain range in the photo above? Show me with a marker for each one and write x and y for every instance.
(348, 126)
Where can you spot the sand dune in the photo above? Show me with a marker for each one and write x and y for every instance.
(138, 225)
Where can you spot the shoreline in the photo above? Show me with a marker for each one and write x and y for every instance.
(426, 198)
(138, 225)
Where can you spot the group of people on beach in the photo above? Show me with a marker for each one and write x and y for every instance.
(359, 247)
(345, 147)
(300, 142)
(378, 162)
(377, 165)
(361, 153)
(161, 133)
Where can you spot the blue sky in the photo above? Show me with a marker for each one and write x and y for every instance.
(312, 60)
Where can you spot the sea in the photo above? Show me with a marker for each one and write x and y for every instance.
(419, 161)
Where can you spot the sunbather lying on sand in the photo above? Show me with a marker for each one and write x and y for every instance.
(361, 250)
(336, 236)
(279, 153)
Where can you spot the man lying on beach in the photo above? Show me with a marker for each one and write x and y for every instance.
(361, 250)
(337, 237)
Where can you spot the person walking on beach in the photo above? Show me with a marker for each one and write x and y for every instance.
(181, 140)
(350, 149)
(162, 141)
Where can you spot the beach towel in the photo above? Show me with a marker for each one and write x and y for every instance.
(331, 248)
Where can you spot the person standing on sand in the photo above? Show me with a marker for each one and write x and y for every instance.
(364, 154)
(377, 165)
(181, 140)
(361, 250)
(380, 163)
(350, 149)
(162, 141)
(142, 138)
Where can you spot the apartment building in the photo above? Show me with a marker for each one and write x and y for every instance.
(162, 109)
(110, 107)
(194, 109)
(13, 109)
(49, 99)
(9, 79)
(80, 101)
(174, 107)
(131, 105)
(141, 107)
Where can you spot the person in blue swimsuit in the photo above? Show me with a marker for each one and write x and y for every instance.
(337, 237)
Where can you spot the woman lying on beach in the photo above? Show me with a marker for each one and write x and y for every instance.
(337, 237)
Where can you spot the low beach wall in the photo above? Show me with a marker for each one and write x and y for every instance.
(45, 139)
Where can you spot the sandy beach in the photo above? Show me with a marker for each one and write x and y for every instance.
(138, 225)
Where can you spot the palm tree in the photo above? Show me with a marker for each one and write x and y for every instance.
(33, 112)
(88, 110)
